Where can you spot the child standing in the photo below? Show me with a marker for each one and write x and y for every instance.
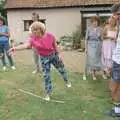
(108, 44)
(46, 46)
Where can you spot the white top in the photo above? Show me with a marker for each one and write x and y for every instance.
(116, 51)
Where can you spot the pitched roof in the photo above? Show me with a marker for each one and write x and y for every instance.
(55, 3)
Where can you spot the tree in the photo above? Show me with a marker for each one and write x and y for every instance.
(2, 11)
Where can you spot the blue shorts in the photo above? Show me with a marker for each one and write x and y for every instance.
(116, 72)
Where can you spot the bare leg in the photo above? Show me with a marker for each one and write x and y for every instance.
(94, 74)
(104, 74)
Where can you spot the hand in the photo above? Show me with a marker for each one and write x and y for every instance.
(1, 34)
(61, 57)
(11, 50)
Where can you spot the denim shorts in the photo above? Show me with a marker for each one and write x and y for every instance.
(116, 72)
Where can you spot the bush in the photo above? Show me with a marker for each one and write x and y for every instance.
(77, 37)
(66, 42)
(72, 41)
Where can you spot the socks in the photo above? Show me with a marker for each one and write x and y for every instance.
(117, 108)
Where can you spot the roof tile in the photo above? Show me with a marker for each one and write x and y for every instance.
(54, 3)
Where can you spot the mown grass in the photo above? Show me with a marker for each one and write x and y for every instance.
(86, 100)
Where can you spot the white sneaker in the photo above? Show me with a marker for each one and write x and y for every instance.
(68, 85)
(104, 77)
(84, 77)
(34, 72)
(13, 68)
(47, 98)
(4, 68)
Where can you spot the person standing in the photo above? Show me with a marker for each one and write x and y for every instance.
(4, 44)
(46, 46)
(93, 48)
(114, 84)
(36, 57)
(108, 44)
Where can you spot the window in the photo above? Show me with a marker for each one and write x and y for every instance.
(27, 24)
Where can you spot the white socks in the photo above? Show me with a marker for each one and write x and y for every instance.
(117, 109)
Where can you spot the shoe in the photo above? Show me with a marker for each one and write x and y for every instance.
(4, 68)
(94, 78)
(35, 71)
(84, 77)
(68, 85)
(47, 98)
(13, 68)
(112, 113)
(104, 76)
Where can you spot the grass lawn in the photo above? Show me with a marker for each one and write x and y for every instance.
(86, 100)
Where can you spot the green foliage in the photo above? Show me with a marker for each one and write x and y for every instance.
(2, 10)
(86, 100)
(73, 40)
(66, 42)
(77, 36)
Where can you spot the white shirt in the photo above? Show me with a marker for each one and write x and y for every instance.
(116, 51)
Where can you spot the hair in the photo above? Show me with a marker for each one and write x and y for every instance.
(39, 25)
(95, 18)
(113, 19)
(35, 14)
(2, 19)
(106, 22)
(115, 8)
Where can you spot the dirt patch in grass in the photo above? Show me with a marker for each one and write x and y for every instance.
(7, 82)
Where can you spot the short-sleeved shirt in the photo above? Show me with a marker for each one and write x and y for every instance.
(45, 45)
(116, 51)
(4, 29)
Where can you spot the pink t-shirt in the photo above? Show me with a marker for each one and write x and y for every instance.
(45, 45)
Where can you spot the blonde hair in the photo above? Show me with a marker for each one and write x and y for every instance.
(38, 25)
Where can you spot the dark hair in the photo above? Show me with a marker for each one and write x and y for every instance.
(2, 19)
(36, 14)
(95, 18)
(115, 8)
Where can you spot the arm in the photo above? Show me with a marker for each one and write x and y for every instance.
(86, 44)
(104, 34)
(26, 45)
(22, 46)
(6, 31)
(19, 47)
(5, 34)
(86, 40)
(56, 47)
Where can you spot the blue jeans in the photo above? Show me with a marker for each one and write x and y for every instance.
(46, 62)
(4, 47)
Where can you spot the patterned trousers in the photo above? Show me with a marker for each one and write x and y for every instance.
(46, 62)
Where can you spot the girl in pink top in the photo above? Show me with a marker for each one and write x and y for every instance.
(109, 35)
(45, 44)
